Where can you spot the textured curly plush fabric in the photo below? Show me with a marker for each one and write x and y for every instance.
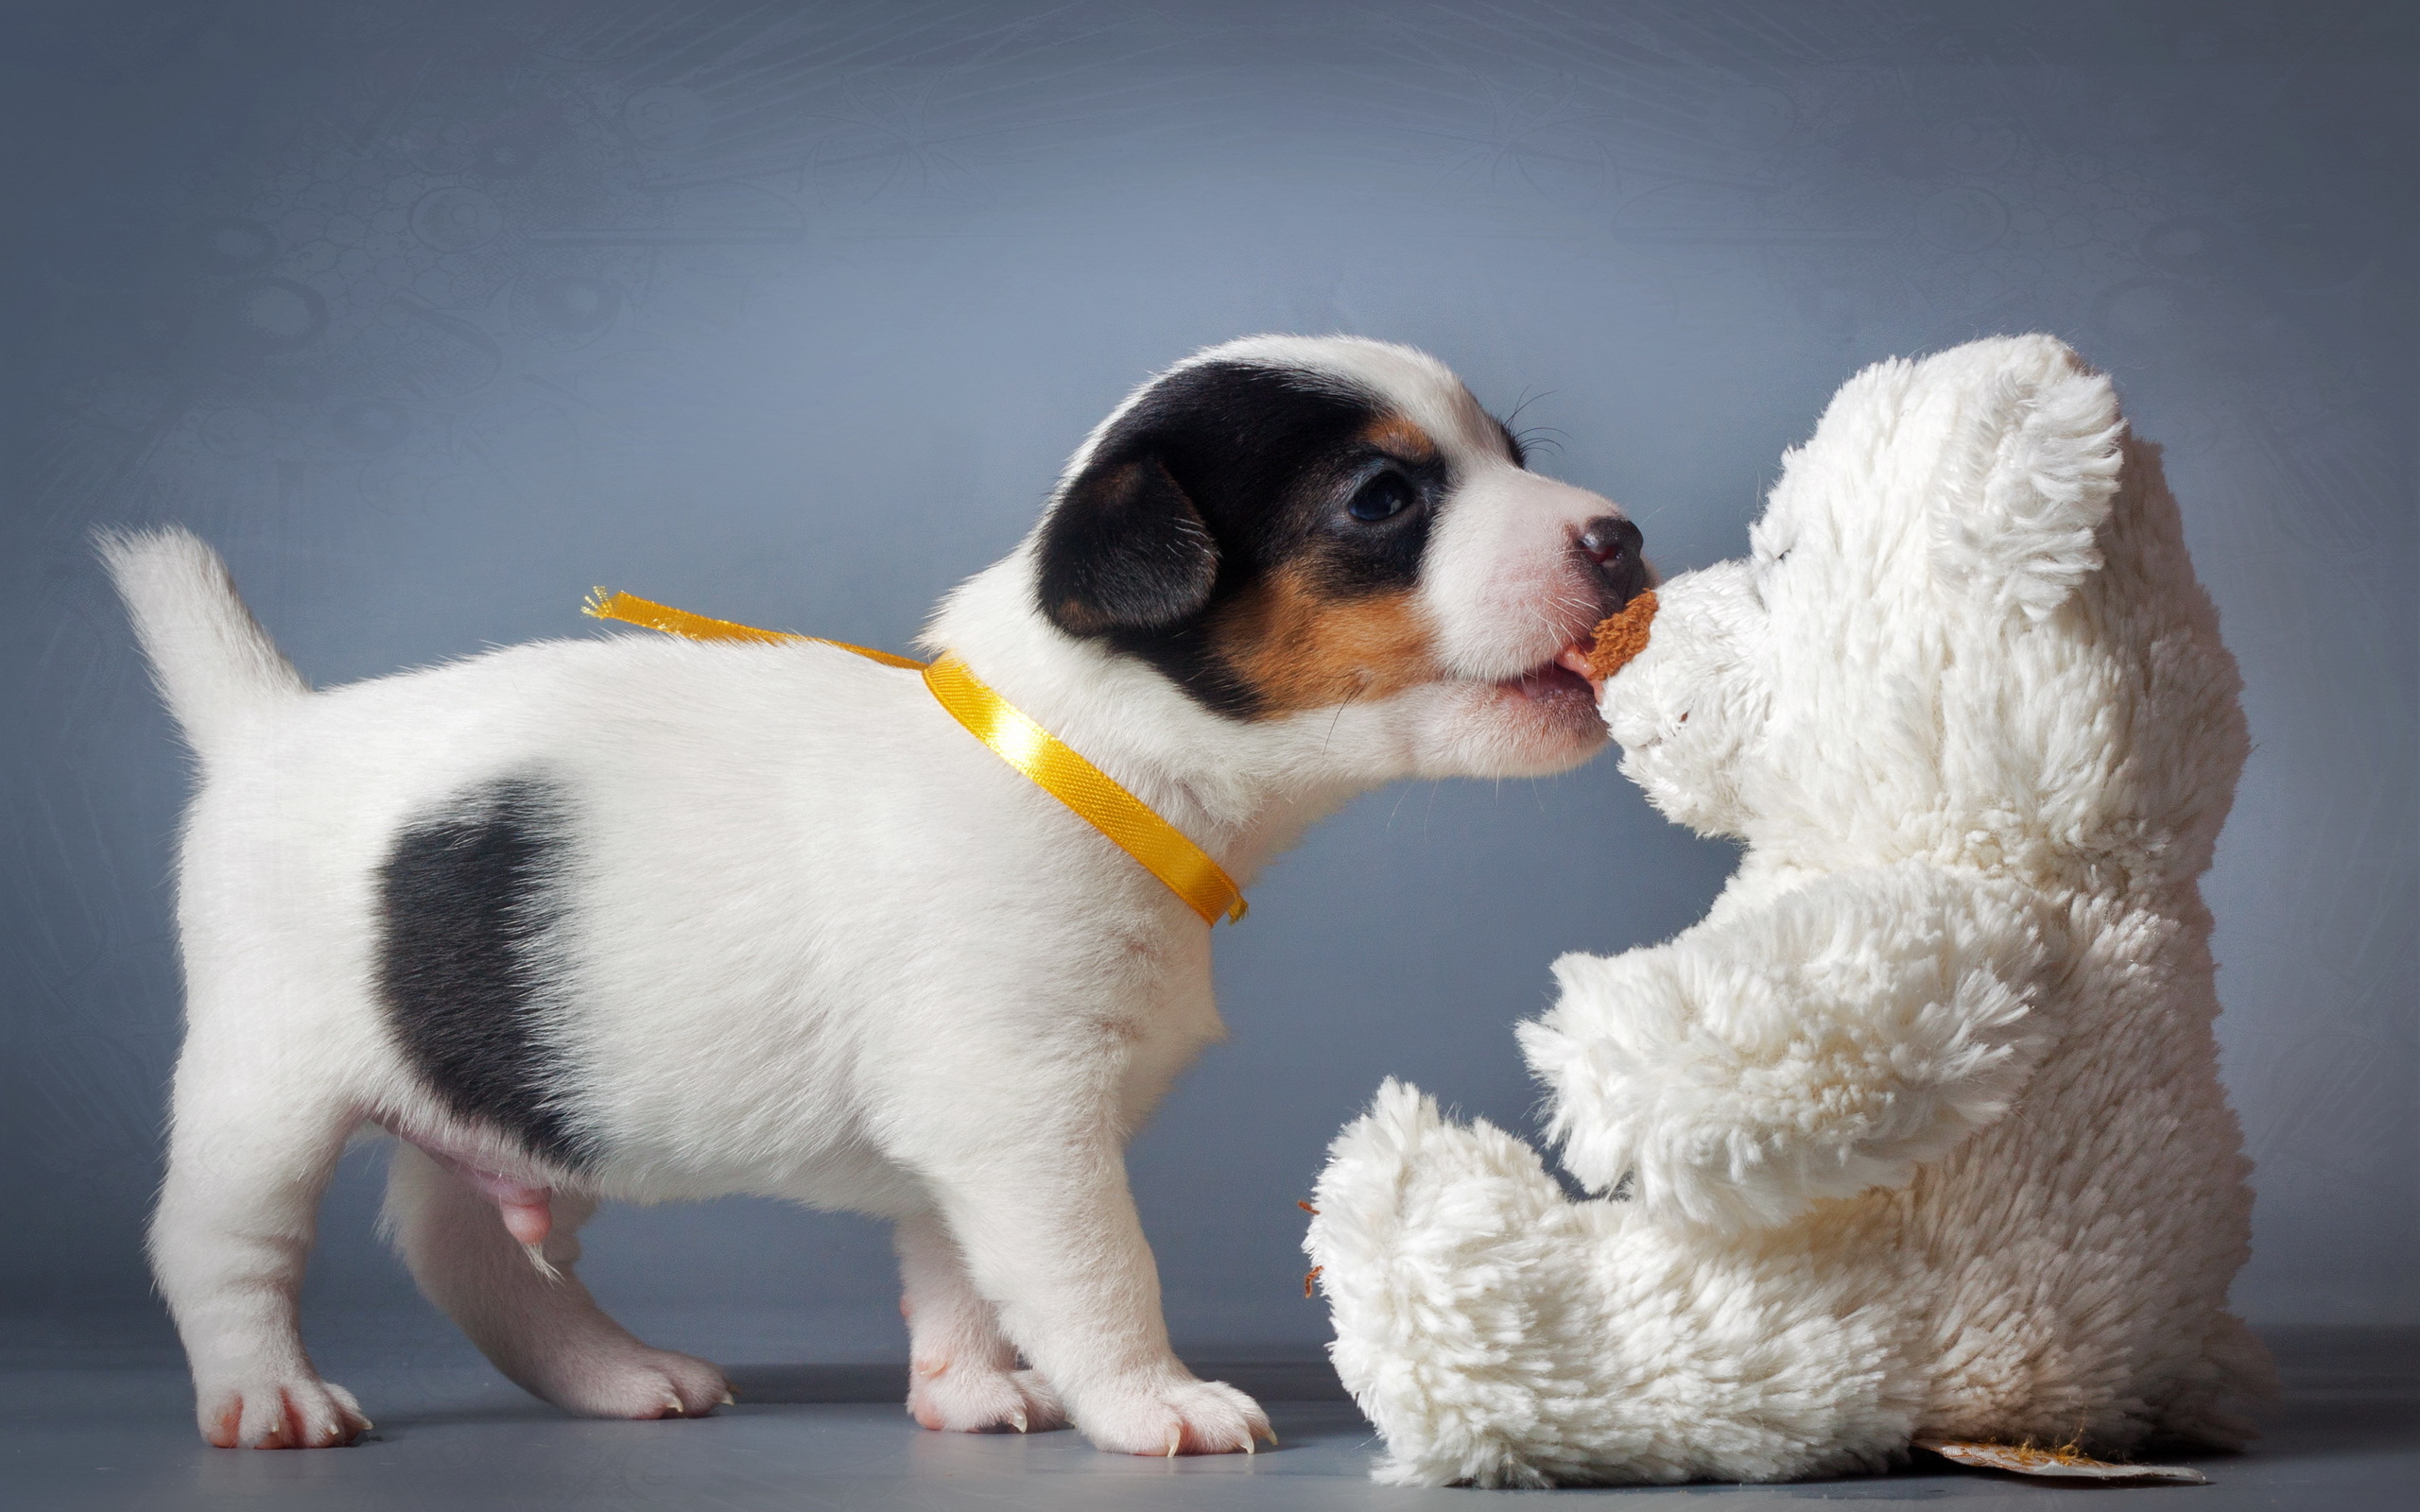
(1919, 1134)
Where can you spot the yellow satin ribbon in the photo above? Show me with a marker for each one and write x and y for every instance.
(1054, 767)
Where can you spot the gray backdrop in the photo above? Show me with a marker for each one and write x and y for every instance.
(434, 316)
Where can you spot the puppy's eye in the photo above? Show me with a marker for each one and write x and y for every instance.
(1382, 498)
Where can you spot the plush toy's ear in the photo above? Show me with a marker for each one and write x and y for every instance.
(2031, 473)
(1124, 549)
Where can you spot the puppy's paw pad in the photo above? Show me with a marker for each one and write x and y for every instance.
(964, 1398)
(293, 1412)
(1176, 1416)
(637, 1383)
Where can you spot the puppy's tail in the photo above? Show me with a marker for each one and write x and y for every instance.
(216, 667)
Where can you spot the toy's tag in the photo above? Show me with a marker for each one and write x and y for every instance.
(2063, 1464)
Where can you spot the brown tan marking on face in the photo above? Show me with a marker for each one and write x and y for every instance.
(1397, 436)
(1296, 646)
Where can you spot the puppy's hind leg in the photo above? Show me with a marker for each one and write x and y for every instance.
(250, 1154)
(546, 1334)
(962, 1371)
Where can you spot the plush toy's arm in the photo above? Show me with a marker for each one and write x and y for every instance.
(1813, 1045)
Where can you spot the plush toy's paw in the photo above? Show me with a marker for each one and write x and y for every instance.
(297, 1411)
(969, 1399)
(1173, 1414)
(1814, 1047)
(1447, 1255)
(1402, 1181)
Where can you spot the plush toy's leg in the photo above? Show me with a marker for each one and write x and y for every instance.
(1444, 1254)
(962, 1371)
(546, 1334)
(1499, 1334)
(251, 1153)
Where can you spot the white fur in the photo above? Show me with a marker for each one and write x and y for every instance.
(821, 945)
(1920, 1133)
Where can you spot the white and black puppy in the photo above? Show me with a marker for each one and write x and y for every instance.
(636, 917)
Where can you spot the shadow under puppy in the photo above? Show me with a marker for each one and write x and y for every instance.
(647, 919)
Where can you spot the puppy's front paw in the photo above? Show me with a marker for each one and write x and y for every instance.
(266, 1412)
(972, 1399)
(632, 1381)
(1167, 1415)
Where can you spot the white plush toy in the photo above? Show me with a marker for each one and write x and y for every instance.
(1918, 1134)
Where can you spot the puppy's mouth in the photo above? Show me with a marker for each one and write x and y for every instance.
(1560, 684)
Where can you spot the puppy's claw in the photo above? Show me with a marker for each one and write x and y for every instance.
(672, 1407)
(1017, 1416)
(1176, 1436)
(730, 1398)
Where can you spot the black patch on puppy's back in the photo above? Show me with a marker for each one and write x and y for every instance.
(467, 899)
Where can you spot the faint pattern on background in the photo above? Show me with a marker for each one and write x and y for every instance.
(434, 316)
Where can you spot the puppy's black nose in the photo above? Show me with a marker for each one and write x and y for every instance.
(1612, 543)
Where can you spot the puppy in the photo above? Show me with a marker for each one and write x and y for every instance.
(643, 918)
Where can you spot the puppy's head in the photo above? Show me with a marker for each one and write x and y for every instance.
(1286, 525)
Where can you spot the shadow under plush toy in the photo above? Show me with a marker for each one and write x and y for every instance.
(1918, 1134)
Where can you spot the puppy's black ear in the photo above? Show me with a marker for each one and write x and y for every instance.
(1124, 549)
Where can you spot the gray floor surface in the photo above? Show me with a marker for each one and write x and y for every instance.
(93, 1434)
